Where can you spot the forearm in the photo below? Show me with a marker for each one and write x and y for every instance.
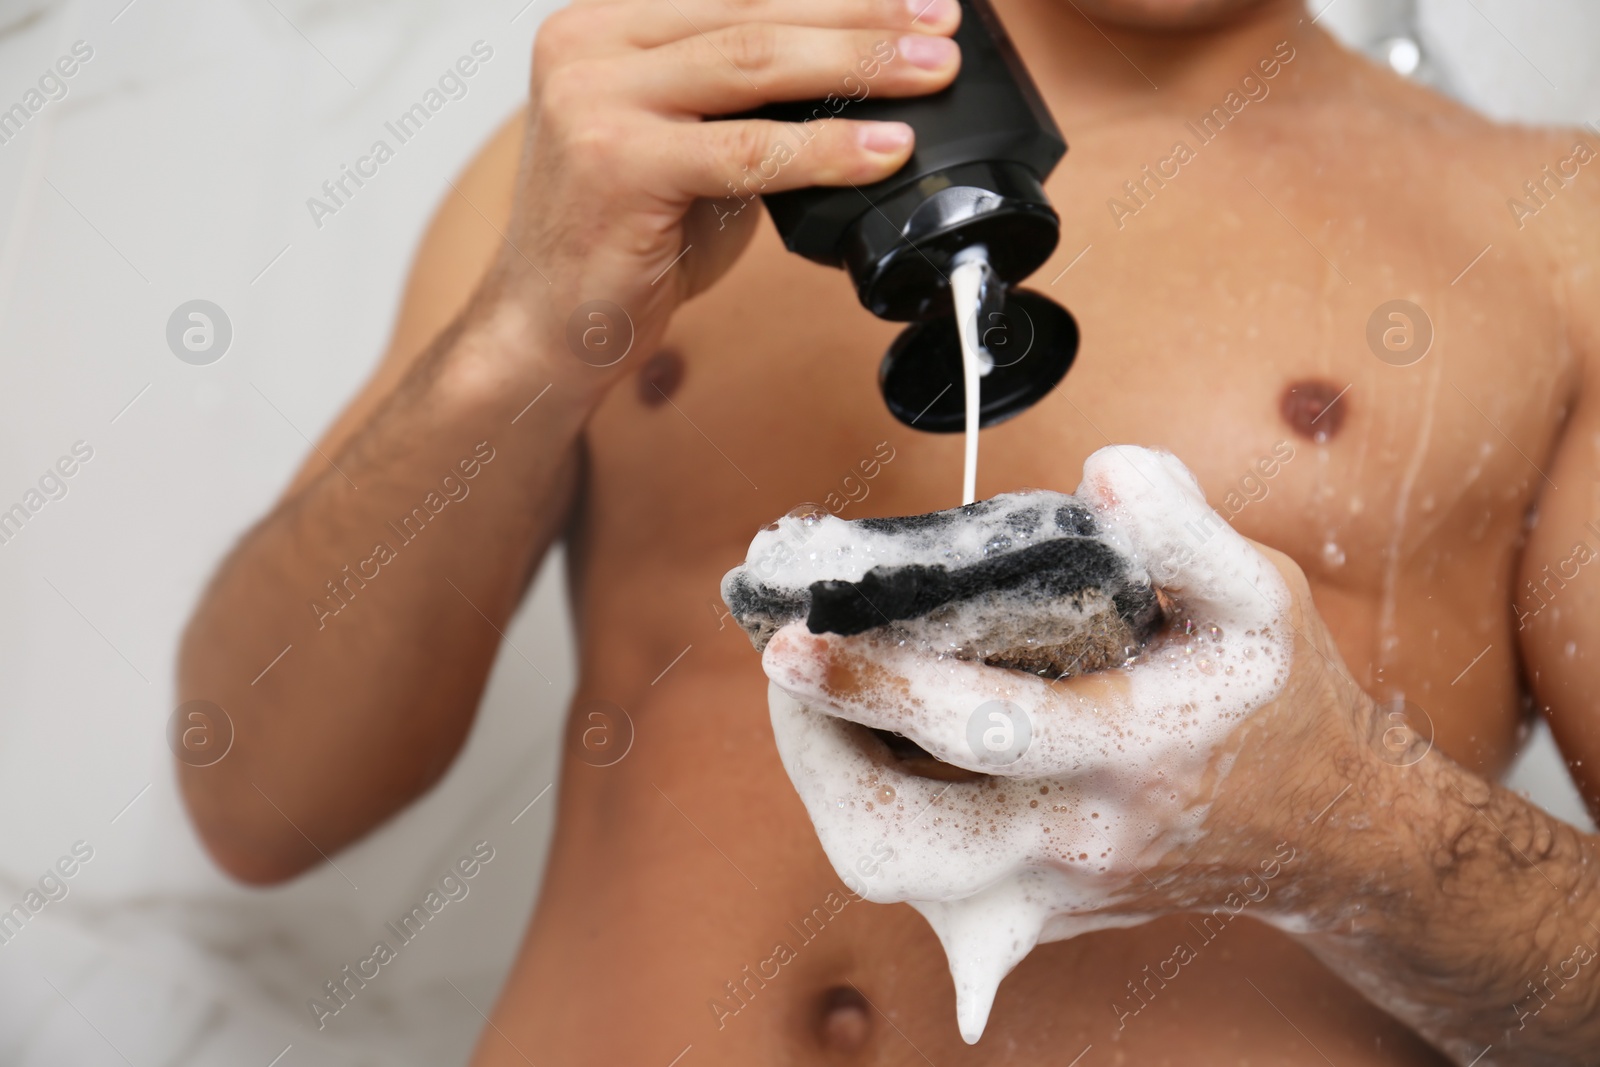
(1466, 911)
(383, 583)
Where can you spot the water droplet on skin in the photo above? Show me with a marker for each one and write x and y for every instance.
(1332, 554)
(1571, 649)
(886, 794)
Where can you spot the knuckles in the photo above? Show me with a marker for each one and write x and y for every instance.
(890, 13)
(570, 87)
(560, 36)
(743, 143)
(750, 46)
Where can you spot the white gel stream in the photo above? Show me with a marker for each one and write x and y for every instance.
(969, 266)
(1106, 782)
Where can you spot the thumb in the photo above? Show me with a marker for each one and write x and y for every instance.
(1149, 502)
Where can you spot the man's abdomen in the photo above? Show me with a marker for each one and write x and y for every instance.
(688, 909)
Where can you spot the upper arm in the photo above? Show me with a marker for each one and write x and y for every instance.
(1558, 618)
(1557, 597)
(457, 248)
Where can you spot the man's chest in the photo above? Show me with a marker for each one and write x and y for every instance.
(1334, 421)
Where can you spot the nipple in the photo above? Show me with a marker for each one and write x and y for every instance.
(660, 377)
(844, 1020)
(1314, 408)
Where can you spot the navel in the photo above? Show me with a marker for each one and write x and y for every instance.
(1315, 408)
(660, 377)
(844, 1019)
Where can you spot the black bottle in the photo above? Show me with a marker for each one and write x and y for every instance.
(984, 146)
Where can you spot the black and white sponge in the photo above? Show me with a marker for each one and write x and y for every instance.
(1024, 580)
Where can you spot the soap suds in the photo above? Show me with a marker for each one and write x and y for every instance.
(1107, 778)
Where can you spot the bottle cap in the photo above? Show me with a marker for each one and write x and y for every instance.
(1032, 341)
(898, 254)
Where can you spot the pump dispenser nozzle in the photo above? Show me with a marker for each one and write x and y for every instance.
(984, 146)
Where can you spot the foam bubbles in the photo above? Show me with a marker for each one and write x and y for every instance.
(1045, 845)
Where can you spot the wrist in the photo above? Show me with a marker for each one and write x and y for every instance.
(1336, 817)
(1364, 830)
(506, 350)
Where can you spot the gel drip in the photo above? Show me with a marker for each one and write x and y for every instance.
(977, 293)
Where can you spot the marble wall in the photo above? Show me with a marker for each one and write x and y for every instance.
(176, 165)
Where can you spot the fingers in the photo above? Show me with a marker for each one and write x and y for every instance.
(651, 23)
(588, 29)
(726, 71)
(1150, 502)
(1230, 649)
(627, 147)
(749, 157)
(983, 719)
(605, 70)
(604, 107)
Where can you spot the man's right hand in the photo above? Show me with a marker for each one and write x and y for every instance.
(348, 637)
(620, 177)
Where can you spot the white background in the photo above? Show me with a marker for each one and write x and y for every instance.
(178, 167)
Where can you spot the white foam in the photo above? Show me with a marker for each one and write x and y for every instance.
(810, 544)
(1110, 779)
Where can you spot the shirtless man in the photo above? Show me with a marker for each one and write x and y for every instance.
(1225, 313)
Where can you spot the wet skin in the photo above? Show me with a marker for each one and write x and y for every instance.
(1212, 329)
(1225, 320)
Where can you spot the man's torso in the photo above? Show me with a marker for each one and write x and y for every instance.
(1219, 320)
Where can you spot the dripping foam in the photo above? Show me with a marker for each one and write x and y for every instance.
(1035, 850)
